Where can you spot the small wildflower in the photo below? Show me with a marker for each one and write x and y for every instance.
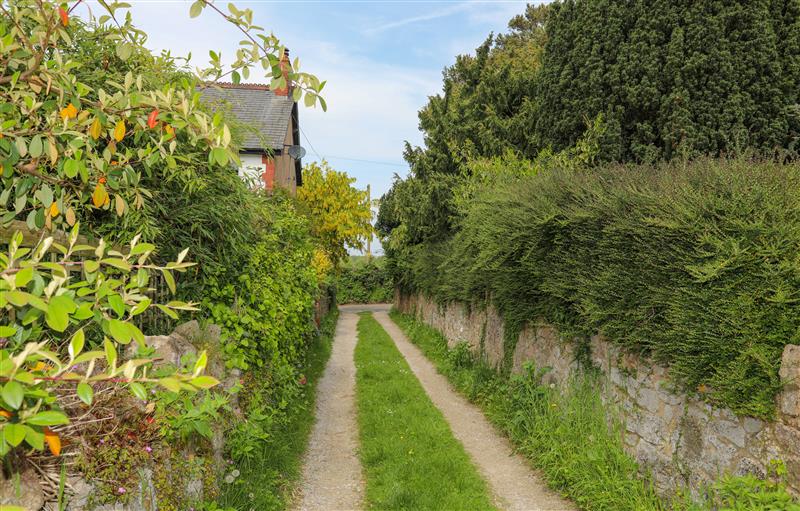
(121, 490)
(252, 496)
(235, 472)
(148, 448)
(303, 380)
(102, 441)
(229, 478)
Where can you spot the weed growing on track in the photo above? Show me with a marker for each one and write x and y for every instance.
(411, 459)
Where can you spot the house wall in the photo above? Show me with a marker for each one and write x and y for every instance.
(678, 439)
(284, 165)
(252, 166)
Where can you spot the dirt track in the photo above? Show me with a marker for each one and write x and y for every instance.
(332, 479)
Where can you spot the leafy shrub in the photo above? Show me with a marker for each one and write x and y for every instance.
(266, 312)
(364, 282)
(62, 335)
(748, 493)
(694, 265)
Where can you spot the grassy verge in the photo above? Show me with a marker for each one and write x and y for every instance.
(268, 478)
(411, 459)
(564, 434)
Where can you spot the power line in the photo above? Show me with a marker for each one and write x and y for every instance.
(332, 157)
(309, 143)
(389, 163)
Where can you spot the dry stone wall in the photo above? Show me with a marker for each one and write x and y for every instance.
(680, 440)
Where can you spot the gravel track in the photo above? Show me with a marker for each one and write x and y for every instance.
(332, 477)
(516, 487)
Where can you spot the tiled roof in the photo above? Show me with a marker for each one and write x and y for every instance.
(265, 114)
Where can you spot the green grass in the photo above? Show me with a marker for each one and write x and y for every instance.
(563, 434)
(411, 459)
(272, 475)
(566, 434)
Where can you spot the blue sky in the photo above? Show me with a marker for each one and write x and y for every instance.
(382, 59)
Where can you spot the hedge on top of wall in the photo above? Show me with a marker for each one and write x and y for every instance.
(698, 265)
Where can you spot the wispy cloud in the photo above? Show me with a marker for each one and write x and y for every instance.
(440, 13)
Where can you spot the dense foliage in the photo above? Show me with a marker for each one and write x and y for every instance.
(265, 311)
(99, 133)
(690, 262)
(676, 78)
(364, 280)
(695, 265)
(339, 213)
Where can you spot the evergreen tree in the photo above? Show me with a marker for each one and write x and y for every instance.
(672, 77)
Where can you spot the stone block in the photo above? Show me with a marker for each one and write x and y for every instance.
(599, 348)
(168, 348)
(748, 466)
(731, 432)
(649, 399)
(752, 425)
(788, 438)
(790, 376)
(26, 492)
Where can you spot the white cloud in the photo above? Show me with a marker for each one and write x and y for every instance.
(441, 13)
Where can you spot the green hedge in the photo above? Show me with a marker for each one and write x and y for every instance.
(362, 281)
(698, 265)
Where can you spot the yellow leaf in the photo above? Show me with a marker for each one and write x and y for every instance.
(52, 151)
(53, 441)
(100, 195)
(119, 130)
(69, 112)
(54, 210)
(94, 129)
(119, 204)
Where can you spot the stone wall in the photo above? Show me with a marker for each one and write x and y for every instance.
(677, 438)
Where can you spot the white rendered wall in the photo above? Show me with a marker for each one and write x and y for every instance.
(251, 168)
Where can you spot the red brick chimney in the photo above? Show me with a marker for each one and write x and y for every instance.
(285, 67)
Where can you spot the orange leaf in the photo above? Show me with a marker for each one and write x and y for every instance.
(6, 414)
(54, 210)
(53, 441)
(94, 130)
(119, 130)
(69, 112)
(152, 119)
(100, 196)
(64, 16)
